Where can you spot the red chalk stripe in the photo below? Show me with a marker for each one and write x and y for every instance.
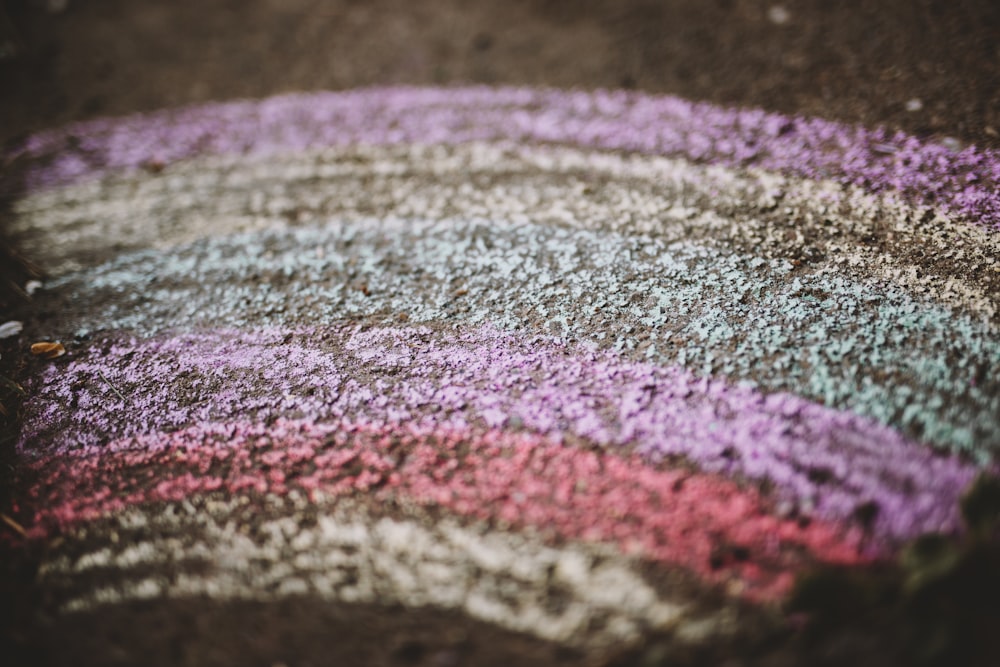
(704, 523)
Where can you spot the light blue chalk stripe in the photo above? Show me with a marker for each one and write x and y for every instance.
(863, 346)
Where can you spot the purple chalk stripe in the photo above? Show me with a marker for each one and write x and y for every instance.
(964, 182)
(823, 462)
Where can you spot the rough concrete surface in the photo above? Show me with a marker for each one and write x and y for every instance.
(540, 332)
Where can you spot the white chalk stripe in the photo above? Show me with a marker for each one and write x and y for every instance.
(673, 199)
(585, 595)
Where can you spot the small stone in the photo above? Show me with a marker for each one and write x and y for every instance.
(778, 15)
(914, 105)
(12, 328)
(48, 350)
(952, 144)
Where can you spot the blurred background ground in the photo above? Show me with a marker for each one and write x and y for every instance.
(926, 66)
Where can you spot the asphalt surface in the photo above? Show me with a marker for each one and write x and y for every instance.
(471, 364)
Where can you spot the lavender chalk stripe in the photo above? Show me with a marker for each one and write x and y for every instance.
(826, 337)
(961, 181)
(820, 461)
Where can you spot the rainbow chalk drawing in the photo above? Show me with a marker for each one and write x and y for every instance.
(456, 347)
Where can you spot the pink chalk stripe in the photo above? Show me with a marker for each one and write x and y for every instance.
(708, 525)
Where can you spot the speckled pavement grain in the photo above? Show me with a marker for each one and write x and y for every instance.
(452, 311)
(591, 369)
